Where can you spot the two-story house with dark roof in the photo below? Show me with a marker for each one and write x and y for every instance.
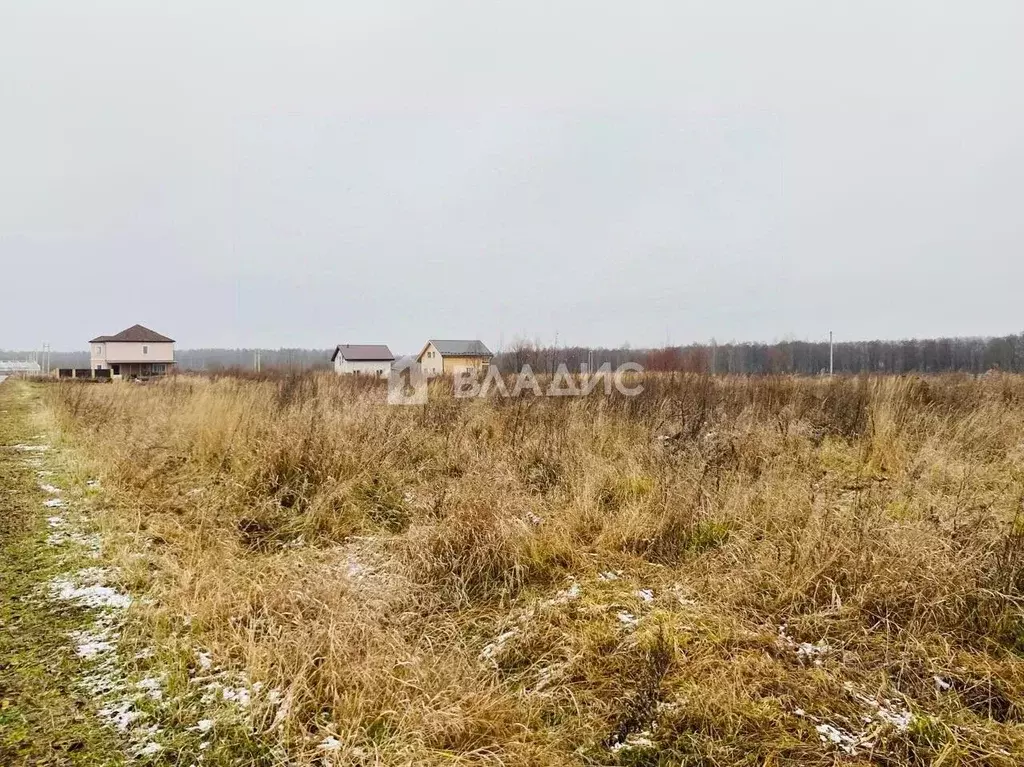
(137, 352)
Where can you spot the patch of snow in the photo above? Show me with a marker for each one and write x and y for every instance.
(51, 489)
(494, 648)
(89, 542)
(31, 448)
(121, 715)
(941, 685)
(885, 710)
(564, 597)
(330, 744)
(640, 741)
(204, 725)
(239, 695)
(627, 618)
(149, 749)
(53, 503)
(92, 483)
(89, 596)
(152, 686)
(548, 675)
(205, 661)
(610, 575)
(646, 595)
(92, 644)
(805, 651)
(842, 739)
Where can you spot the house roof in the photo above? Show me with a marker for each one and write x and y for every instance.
(460, 348)
(134, 335)
(363, 353)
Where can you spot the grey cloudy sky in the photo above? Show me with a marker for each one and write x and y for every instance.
(314, 172)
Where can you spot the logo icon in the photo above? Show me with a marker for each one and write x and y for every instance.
(407, 384)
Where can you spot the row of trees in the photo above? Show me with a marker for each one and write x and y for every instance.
(941, 355)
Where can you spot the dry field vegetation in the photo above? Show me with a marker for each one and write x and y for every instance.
(718, 571)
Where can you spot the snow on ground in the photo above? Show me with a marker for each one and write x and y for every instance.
(126, 705)
(491, 651)
(627, 619)
(880, 712)
(95, 595)
(811, 652)
(90, 544)
(564, 597)
(638, 741)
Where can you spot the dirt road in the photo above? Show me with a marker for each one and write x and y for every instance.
(45, 716)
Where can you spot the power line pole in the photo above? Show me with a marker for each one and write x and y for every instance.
(831, 356)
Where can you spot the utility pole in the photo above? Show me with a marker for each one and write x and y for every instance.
(831, 356)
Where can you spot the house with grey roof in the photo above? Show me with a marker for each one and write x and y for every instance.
(448, 357)
(136, 352)
(364, 359)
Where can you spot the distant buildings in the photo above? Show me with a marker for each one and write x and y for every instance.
(137, 352)
(438, 357)
(10, 368)
(366, 359)
(453, 357)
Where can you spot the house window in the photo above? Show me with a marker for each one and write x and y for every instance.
(99, 350)
(145, 350)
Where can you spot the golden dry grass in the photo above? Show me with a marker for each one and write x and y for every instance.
(715, 572)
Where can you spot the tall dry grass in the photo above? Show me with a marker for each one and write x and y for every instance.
(540, 580)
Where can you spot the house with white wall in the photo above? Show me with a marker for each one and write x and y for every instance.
(136, 352)
(364, 359)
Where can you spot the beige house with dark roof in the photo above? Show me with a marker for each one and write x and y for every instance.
(137, 352)
(453, 357)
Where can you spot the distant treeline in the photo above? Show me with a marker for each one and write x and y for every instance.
(936, 355)
(940, 355)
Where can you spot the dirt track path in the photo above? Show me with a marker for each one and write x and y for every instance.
(45, 717)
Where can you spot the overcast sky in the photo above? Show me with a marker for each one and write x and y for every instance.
(312, 173)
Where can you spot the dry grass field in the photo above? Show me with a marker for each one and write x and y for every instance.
(731, 571)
